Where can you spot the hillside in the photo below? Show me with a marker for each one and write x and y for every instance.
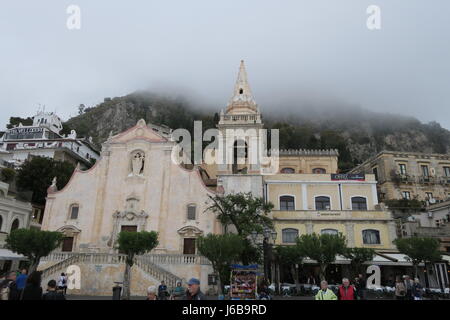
(357, 133)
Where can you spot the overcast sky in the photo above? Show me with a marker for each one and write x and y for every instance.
(312, 50)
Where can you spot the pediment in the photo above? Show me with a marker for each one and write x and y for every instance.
(140, 131)
(190, 231)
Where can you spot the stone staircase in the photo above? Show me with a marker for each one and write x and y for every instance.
(150, 265)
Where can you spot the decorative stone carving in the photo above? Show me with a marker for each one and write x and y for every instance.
(190, 232)
(121, 218)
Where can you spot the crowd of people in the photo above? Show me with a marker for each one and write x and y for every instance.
(405, 289)
(192, 292)
(21, 286)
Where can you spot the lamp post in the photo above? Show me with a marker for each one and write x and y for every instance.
(268, 239)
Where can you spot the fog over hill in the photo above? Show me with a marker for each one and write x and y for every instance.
(356, 132)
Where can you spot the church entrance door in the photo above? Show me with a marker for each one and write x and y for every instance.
(189, 246)
(67, 244)
(129, 228)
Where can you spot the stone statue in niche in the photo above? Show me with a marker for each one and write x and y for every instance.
(137, 163)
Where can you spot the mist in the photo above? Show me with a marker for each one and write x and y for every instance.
(302, 57)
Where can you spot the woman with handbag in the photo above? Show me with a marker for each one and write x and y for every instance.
(400, 290)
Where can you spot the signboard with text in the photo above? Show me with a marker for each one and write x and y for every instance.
(348, 176)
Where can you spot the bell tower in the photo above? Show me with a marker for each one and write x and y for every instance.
(239, 130)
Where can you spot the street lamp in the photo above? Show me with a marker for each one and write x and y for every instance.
(269, 236)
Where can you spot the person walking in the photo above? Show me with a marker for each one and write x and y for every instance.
(52, 293)
(194, 292)
(400, 290)
(151, 293)
(178, 291)
(21, 280)
(409, 284)
(8, 287)
(62, 283)
(33, 289)
(360, 287)
(417, 290)
(346, 291)
(325, 293)
(162, 291)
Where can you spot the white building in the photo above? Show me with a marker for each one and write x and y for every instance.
(14, 214)
(43, 139)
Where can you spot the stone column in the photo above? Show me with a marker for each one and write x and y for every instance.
(304, 196)
(392, 232)
(309, 228)
(349, 229)
(15, 265)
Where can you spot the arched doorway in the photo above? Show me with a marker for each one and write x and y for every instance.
(240, 156)
(15, 225)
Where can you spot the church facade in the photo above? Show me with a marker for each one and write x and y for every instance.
(136, 185)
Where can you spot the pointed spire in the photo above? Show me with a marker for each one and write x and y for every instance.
(242, 100)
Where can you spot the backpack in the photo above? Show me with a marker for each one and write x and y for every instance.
(64, 280)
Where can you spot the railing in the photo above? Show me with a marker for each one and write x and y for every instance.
(155, 271)
(149, 263)
(62, 265)
(177, 259)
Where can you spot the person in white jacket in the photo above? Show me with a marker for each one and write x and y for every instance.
(62, 283)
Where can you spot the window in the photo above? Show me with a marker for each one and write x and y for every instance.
(319, 171)
(191, 212)
(371, 236)
(402, 168)
(329, 231)
(323, 203)
(289, 235)
(287, 203)
(287, 170)
(359, 203)
(15, 225)
(406, 195)
(425, 171)
(447, 171)
(1, 222)
(74, 211)
(375, 172)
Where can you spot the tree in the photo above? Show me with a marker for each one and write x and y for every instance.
(7, 175)
(14, 121)
(36, 175)
(419, 249)
(222, 250)
(358, 256)
(243, 211)
(322, 248)
(33, 244)
(290, 256)
(132, 244)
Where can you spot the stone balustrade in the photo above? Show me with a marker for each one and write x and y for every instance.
(114, 258)
(149, 263)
